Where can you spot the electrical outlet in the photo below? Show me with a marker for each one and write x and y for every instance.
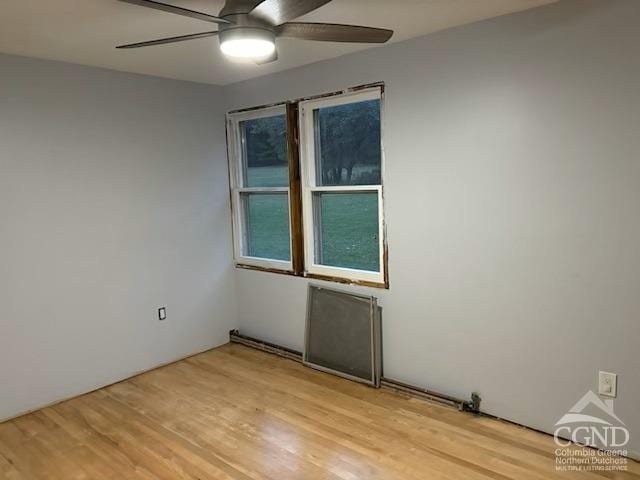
(162, 313)
(608, 384)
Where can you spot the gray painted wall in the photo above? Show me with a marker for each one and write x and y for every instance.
(113, 201)
(512, 205)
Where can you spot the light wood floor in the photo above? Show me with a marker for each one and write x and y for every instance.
(236, 413)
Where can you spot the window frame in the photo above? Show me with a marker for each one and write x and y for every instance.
(308, 166)
(301, 156)
(236, 181)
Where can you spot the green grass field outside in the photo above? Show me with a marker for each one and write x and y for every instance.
(349, 224)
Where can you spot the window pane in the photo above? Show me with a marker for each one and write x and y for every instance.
(347, 142)
(347, 230)
(266, 220)
(265, 162)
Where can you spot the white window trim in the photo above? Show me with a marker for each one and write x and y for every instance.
(308, 177)
(234, 142)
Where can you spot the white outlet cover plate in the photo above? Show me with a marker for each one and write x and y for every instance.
(608, 384)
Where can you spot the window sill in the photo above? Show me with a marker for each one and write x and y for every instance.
(313, 276)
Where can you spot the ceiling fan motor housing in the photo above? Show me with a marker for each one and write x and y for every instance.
(243, 25)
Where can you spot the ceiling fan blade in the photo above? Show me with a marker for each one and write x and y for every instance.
(277, 12)
(162, 41)
(239, 6)
(331, 32)
(270, 59)
(185, 12)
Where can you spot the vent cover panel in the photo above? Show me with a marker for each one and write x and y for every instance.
(343, 334)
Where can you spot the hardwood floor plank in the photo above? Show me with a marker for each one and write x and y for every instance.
(344, 414)
(239, 414)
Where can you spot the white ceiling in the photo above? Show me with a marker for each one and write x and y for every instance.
(86, 32)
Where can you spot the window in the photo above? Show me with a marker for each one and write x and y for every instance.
(316, 212)
(260, 188)
(342, 186)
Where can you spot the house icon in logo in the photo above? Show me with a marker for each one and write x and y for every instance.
(592, 422)
(576, 415)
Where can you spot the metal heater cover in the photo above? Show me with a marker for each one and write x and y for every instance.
(343, 335)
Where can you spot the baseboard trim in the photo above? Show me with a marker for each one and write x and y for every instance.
(133, 375)
(236, 337)
(472, 405)
(387, 383)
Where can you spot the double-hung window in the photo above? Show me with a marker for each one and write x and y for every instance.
(260, 188)
(342, 186)
(316, 211)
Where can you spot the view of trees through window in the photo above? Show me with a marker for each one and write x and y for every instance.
(265, 143)
(347, 138)
(348, 144)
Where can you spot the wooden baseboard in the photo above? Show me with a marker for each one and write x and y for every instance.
(463, 405)
(236, 337)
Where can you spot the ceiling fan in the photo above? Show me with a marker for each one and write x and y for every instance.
(248, 28)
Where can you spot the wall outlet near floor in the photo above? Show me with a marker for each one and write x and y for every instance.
(162, 313)
(608, 384)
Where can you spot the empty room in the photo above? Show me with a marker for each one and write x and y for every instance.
(319, 239)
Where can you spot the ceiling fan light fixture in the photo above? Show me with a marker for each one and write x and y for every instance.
(247, 42)
(247, 29)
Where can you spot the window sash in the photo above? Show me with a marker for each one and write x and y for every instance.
(309, 165)
(237, 177)
(240, 234)
(311, 231)
(235, 140)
